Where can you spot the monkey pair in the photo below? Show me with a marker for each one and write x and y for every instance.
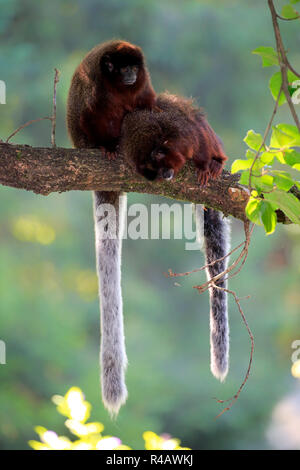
(112, 104)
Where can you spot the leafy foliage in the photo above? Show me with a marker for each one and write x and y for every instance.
(270, 170)
(89, 435)
(270, 185)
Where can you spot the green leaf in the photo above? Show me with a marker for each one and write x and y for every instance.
(267, 180)
(294, 1)
(284, 182)
(287, 202)
(239, 165)
(275, 85)
(257, 182)
(294, 90)
(290, 130)
(297, 166)
(291, 77)
(253, 210)
(244, 179)
(268, 55)
(262, 183)
(250, 154)
(289, 12)
(280, 157)
(254, 140)
(280, 139)
(267, 158)
(291, 157)
(268, 217)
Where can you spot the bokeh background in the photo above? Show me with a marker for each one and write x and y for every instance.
(49, 312)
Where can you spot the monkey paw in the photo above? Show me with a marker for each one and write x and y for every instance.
(109, 155)
(203, 177)
(215, 168)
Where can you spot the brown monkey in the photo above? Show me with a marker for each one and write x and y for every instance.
(111, 81)
(159, 143)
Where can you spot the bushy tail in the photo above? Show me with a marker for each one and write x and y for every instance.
(215, 232)
(109, 215)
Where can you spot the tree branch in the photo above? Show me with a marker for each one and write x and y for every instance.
(47, 170)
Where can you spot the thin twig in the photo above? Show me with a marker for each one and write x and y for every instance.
(170, 273)
(292, 68)
(244, 253)
(53, 119)
(287, 19)
(240, 259)
(211, 284)
(236, 396)
(283, 62)
(264, 137)
(25, 125)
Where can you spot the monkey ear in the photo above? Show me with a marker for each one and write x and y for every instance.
(107, 63)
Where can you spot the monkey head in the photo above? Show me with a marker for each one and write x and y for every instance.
(122, 65)
(162, 162)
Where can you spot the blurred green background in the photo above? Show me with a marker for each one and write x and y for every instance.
(49, 313)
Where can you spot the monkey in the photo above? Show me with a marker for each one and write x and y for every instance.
(181, 133)
(157, 145)
(111, 81)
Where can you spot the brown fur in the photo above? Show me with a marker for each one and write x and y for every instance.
(164, 140)
(98, 101)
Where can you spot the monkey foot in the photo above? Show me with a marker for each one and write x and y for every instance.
(203, 177)
(215, 168)
(109, 155)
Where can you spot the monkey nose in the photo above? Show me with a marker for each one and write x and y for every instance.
(167, 173)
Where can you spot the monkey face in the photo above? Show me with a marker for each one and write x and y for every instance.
(129, 74)
(158, 166)
(153, 174)
(122, 69)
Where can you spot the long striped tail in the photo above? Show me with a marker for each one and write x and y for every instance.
(109, 217)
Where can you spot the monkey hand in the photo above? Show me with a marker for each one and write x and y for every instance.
(203, 176)
(215, 168)
(108, 154)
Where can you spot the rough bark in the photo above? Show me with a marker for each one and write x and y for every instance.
(47, 170)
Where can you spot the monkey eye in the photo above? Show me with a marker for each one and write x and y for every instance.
(157, 155)
(133, 68)
(109, 66)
